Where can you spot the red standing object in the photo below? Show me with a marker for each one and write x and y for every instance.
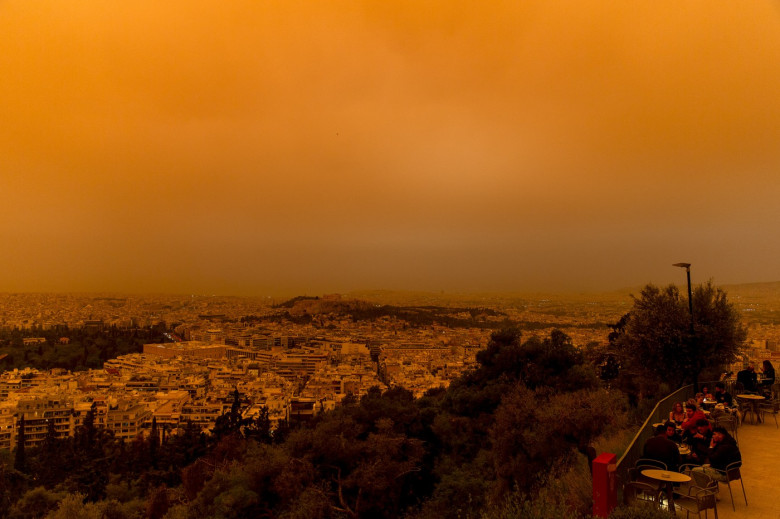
(604, 484)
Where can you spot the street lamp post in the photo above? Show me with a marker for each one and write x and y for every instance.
(687, 267)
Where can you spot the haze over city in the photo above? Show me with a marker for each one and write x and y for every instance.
(267, 147)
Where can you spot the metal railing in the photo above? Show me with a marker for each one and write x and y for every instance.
(659, 414)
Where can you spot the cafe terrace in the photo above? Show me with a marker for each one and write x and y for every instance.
(758, 437)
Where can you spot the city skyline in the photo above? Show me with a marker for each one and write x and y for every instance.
(286, 147)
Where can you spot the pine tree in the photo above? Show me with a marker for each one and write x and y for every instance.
(230, 422)
(20, 463)
(235, 411)
(260, 428)
(154, 442)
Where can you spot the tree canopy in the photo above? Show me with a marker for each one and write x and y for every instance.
(656, 338)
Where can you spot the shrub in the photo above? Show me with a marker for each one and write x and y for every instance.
(550, 502)
(637, 512)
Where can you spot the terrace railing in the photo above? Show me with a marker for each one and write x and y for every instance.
(660, 413)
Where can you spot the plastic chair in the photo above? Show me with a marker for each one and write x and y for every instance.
(703, 480)
(636, 493)
(775, 389)
(697, 499)
(649, 463)
(772, 407)
(732, 473)
(687, 469)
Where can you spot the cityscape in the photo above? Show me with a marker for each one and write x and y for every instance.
(297, 358)
(417, 259)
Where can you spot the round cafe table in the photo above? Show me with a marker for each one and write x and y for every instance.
(751, 397)
(668, 479)
(708, 404)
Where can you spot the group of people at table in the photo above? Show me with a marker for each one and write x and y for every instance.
(749, 380)
(689, 437)
(696, 433)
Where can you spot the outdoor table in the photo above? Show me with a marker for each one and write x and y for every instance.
(750, 404)
(668, 479)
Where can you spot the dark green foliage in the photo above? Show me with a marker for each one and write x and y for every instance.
(462, 486)
(365, 466)
(551, 501)
(538, 431)
(12, 485)
(291, 302)
(184, 448)
(429, 315)
(49, 458)
(637, 512)
(416, 316)
(266, 481)
(154, 443)
(281, 432)
(655, 337)
(552, 362)
(158, 503)
(20, 460)
(477, 452)
(259, 429)
(230, 422)
(85, 349)
(35, 503)
(89, 459)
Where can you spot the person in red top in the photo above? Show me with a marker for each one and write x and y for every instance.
(693, 416)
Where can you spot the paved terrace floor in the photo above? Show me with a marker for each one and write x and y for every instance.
(760, 448)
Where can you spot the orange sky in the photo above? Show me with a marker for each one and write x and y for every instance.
(257, 147)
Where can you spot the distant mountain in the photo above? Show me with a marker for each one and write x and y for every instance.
(768, 289)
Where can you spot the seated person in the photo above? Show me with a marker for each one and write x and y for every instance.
(722, 396)
(768, 372)
(661, 448)
(699, 439)
(748, 378)
(677, 415)
(705, 390)
(699, 400)
(693, 415)
(722, 452)
(671, 432)
(716, 413)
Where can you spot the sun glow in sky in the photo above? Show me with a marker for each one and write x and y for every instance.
(256, 147)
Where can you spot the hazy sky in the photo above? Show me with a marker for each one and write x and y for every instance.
(257, 147)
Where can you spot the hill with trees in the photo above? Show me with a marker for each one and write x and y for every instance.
(523, 417)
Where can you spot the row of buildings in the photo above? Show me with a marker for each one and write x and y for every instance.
(194, 382)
